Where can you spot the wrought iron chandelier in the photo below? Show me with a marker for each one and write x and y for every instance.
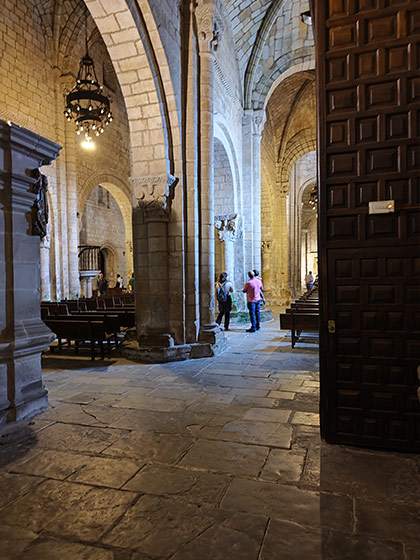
(87, 104)
(313, 198)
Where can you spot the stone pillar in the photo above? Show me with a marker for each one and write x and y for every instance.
(23, 336)
(266, 266)
(72, 209)
(45, 266)
(154, 197)
(248, 196)
(252, 126)
(258, 125)
(210, 27)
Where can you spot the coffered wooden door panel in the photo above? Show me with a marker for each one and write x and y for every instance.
(368, 80)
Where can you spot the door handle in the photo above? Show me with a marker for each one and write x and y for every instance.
(331, 326)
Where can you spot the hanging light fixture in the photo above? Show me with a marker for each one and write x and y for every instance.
(313, 198)
(87, 104)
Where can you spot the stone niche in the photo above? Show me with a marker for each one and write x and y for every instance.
(23, 335)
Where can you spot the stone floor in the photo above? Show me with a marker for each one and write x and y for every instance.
(207, 459)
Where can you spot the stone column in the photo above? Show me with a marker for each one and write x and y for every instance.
(258, 125)
(248, 196)
(252, 126)
(23, 336)
(210, 27)
(45, 266)
(154, 197)
(266, 266)
(72, 209)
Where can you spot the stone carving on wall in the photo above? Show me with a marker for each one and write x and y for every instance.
(259, 118)
(40, 211)
(154, 195)
(228, 227)
(209, 23)
(266, 246)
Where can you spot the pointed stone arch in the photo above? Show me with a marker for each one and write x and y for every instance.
(134, 46)
(121, 192)
(300, 144)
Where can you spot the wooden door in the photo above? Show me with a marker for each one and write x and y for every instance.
(368, 87)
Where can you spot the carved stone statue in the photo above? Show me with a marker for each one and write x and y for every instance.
(40, 211)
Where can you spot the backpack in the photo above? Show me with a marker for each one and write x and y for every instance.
(221, 295)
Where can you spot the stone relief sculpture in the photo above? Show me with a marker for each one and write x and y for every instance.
(40, 210)
(228, 227)
(155, 194)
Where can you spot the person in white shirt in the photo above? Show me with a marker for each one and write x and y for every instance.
(309, 281)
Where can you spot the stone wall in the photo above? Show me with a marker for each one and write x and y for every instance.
(224, 199)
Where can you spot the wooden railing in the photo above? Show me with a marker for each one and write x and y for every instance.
(88, 257)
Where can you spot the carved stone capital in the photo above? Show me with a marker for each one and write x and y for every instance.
(210, 24)
(154, 195)
(259, 118)
(228, 227)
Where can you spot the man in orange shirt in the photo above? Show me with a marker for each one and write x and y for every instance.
(252, 289)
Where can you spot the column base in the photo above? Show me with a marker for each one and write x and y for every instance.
(20, 367)
(160, 348)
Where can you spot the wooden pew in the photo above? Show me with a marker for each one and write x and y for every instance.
(112, 322)
(79, 331)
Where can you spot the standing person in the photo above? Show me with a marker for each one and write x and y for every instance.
(120, 282)
(131, 283)
(224, 289)
(309, 281)
(257, 275)
(101, 284)
(252, 289)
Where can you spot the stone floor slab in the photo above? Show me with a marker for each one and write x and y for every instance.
(55, 549)
(284, 465)
(267, 415)
(50, 464)
(285, 395)
(189, 485)
(144, 446)
(350, 546)
(282, 502)
(160, 527)
(226, 457)
(271, 434)
(65, 437)
(14, 485)
(103, 471)
(14, 540)
(291, 541)
(306, 418)
(238, 538)
(92, 515)
(36, 510)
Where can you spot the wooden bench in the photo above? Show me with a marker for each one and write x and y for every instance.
(298, 322)
(126, 317)
(70, 330)
(112, 322)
